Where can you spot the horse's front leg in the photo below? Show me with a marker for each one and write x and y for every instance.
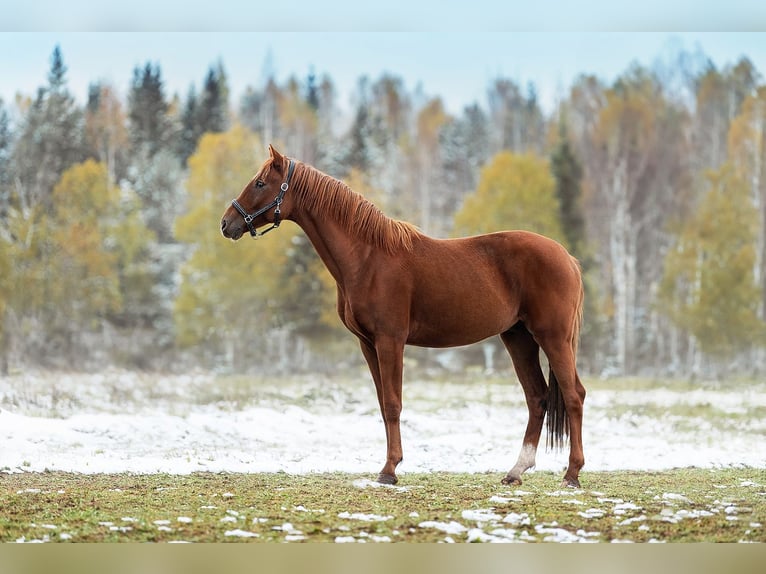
(388, 383)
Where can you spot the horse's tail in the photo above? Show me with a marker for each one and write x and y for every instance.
(556, 414)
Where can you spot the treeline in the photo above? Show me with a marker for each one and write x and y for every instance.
(110, 252)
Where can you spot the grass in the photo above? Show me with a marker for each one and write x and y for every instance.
(686, 505)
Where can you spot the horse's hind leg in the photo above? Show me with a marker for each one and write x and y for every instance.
(563, 366)
(525, 353)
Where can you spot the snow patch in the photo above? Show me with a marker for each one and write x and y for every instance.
(241, 533)
(481, 515)
(364, 517)
(451, 527)
(153, 424)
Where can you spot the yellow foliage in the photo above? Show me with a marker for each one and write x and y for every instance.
(71, 264)
(747, 134)
(708, 286)
(227, 288)
(514, 192)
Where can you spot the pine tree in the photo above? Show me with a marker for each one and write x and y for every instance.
(358, 147)
(150, 128)
(207, 112)
(190, 134)
(212, 108)
(567, 171)
(50, 139)
(312, 92)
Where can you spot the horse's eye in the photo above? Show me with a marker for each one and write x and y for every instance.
(259, 183)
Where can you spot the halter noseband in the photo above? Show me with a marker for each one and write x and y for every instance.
(249, 217)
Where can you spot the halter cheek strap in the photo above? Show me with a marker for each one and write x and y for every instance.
(250, 217)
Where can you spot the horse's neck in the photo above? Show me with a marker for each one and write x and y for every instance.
(344, 258)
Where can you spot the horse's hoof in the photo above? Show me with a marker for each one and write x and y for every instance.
(384, 478)
(511, 480)
(570, 483)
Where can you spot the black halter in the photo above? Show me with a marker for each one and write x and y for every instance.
(249, 217)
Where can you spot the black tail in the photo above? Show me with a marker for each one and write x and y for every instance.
(557, 421)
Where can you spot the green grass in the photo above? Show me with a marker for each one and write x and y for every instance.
(687, 505)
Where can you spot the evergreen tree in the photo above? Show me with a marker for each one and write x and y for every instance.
(567, 171)
(150, 127)
(213, 106)
(50, 140)
(190, 134)
(206, 113)
(357, 151)
(312, 92)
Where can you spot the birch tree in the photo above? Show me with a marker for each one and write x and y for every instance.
(708, 288)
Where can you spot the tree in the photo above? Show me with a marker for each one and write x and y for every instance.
(5, 295)
(228, 290)
(747, 150)
(708, 288)
(359, 152)
(299, 122)
(50, 139)
(638, 178)
(155, 170)
(464, 149)
(105, 129)
(213, 110)
(514, 192)
(149, 124)
(189, 134)
(5, 160)
(431, 119)
(518, 120)
(100, 238)
(568, 174)
(74, 265)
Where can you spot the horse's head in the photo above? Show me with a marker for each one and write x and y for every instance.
(261, 201)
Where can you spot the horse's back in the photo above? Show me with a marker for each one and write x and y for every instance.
(466, 289)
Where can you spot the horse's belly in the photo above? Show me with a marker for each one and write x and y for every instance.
(460, 324)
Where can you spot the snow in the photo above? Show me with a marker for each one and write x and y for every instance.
(451, 527)
(241, 533)
(364, 517)
(125, 422)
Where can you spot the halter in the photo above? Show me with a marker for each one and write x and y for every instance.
(249, 217)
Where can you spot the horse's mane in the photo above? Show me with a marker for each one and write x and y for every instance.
(318, 191)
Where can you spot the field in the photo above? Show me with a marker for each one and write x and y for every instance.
(689, 505)
(120, 457)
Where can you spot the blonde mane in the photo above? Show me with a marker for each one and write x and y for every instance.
(317, 191)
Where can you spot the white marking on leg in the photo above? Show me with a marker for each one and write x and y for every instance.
(526, 459)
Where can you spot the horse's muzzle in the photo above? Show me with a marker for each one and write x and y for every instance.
(230, 231)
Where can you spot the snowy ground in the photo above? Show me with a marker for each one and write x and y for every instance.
(124, 422)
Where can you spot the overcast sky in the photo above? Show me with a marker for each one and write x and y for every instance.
(447, 51)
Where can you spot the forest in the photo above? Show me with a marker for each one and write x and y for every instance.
(111, 255)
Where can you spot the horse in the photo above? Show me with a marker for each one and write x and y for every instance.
(397, 286)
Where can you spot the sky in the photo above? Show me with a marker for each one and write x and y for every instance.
(445, 51)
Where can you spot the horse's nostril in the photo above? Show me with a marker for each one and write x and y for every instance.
(223, 224)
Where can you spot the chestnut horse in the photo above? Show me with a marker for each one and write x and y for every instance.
(397, 286)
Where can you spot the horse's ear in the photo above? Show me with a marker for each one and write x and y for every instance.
(275, 155)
